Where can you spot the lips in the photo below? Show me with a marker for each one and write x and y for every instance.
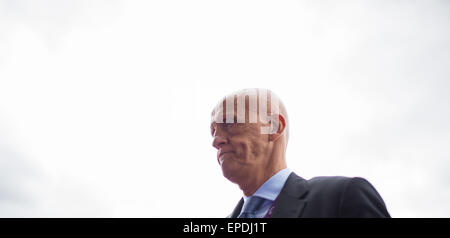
(220, 153)
(224, 153)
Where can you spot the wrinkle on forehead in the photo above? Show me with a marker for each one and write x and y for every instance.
(258, 95)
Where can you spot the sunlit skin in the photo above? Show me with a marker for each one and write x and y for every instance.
(248, 157)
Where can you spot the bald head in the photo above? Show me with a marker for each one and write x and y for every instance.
(250, 105)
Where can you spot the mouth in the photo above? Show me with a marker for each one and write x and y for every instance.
(220, 157)
(224, 153)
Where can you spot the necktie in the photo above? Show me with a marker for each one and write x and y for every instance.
(251, 206)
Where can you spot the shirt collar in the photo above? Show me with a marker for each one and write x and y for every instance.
(272, 187)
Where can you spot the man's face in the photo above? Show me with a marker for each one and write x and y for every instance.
(241, 148)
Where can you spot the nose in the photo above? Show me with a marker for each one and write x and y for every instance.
(219, 141)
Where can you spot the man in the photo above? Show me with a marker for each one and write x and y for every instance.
(250, 130)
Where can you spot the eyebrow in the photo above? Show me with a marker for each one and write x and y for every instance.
(213, 124)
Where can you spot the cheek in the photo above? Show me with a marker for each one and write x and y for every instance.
(248, 148)
(248, 143)
(241, 149)
(256, 148)
(259, 145)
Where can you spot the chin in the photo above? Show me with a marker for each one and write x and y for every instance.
(231, 170)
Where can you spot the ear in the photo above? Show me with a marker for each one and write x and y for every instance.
(277, 126)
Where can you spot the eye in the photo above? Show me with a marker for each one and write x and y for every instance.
(213, 130)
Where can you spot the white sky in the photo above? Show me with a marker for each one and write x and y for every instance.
(105, 105)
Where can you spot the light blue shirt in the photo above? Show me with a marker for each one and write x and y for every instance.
(270, 191)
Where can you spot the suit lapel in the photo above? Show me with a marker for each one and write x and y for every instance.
(290, 203)
(237, 209)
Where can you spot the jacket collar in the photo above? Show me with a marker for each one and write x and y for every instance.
(290, 203)
(237, 209)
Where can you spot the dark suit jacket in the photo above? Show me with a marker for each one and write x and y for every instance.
(336, 197)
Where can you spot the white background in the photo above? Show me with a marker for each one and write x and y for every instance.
(105, 105)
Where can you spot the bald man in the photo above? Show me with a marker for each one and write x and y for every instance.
(250, 130)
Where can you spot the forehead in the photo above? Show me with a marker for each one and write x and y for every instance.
(235, 108)
(221, 111)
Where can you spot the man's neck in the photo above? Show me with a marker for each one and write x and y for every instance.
(261, 175)
(250, 187)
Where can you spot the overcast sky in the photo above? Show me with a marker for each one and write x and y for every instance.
(105, 105)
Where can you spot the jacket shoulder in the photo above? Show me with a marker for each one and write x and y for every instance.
(329, 183)
(337, 182)
(350, 196)
(328, 188)
(361, 199)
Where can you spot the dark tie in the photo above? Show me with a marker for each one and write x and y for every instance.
(251, 206)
